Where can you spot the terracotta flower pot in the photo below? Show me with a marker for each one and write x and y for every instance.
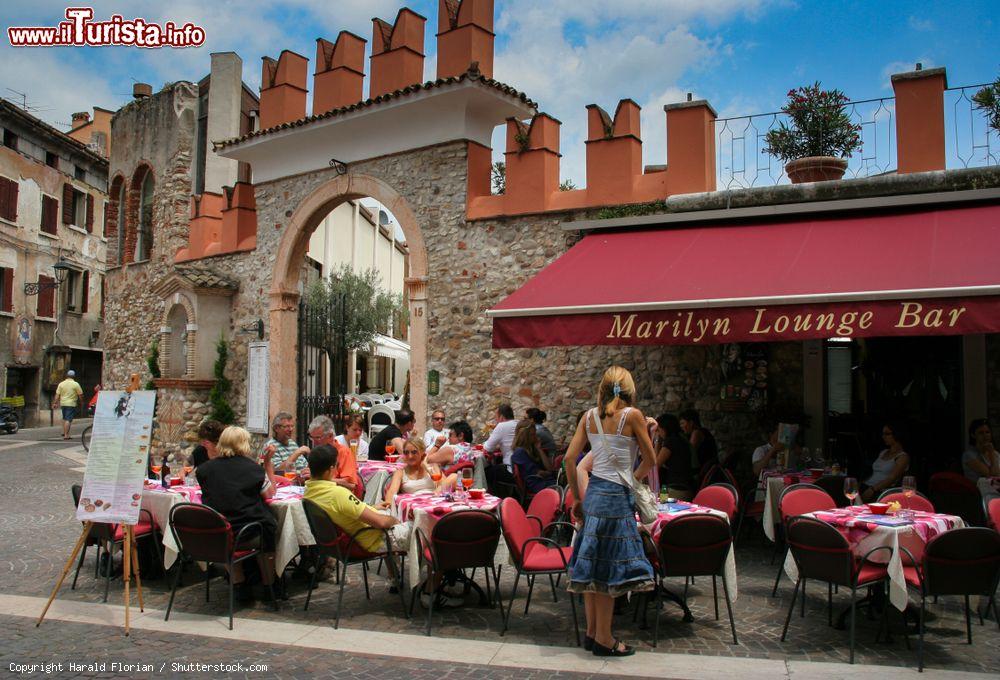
(815, 169)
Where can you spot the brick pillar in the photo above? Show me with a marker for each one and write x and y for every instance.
(192, 339)
(340, 72)
(920, 120)
(164, 361)
(614, 153)
(465, 35)
(282, 89)
(397, 53)
(690, 147)
(532, 159)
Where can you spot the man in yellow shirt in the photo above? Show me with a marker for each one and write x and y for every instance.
(343, 507)
(68, 395)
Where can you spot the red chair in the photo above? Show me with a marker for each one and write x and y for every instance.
(993, 512)
(715, 473)
(110, 536)
(821, 553)
(458, 467)
(721, 497)
(795, 500)
(533, 555)
(332, 541)
(204, 535)
(916, 502)
(694, 545)
(958, 562)
(544, 507)
(750, 508)
(461, 540)
(953, 494)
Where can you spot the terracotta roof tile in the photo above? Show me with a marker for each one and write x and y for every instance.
(200, 277)
(472, 75)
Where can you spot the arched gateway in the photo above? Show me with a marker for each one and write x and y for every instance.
(287, 270)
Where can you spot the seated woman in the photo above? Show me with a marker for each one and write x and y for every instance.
(414, 476)
(354, 428)
(530, 460)
(233, 484)
(890, 466)
(766, 455)
(981, 458)
(457, 450)
(673, 457)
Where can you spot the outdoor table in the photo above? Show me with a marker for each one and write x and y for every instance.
(773, 483)
(423, 510)
(865, 531)
(376, 474)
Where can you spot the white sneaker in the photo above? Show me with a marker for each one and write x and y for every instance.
(442, 601)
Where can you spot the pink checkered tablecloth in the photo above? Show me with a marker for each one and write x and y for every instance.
(405, 504)
(865, 531)
(368, 468)
(683, 509)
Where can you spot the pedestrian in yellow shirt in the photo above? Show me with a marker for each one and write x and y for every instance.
(68, 395)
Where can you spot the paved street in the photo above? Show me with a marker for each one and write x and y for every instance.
(38, 531)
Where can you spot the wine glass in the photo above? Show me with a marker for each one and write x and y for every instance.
(390, 449)
(467, 480)
(156, 465)
(909, 490)
(435, 475)
(851, 489)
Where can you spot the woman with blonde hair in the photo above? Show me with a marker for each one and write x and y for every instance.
(608, 559)
(414, 476)
(233, 484)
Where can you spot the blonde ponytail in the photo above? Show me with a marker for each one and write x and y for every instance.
(617, 390)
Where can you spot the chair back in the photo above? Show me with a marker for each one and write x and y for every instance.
(545, 505)
(380, 414)
(99, 531)
(916, 502)
(820, 551)
(201, 533)
(798, 499)
(694, 545)
(993, 512)
(327, 534)
(834, 485)
(466, 539)
(722, 497)
(953, 494)
(517, 528)
(715, 473)
(962, 562)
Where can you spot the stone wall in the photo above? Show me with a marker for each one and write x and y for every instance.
(181, 405)
(158, 132)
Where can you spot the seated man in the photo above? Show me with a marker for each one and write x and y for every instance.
(343, 507)
(321, 432)
(285, 453)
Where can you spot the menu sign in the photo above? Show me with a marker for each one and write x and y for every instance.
(257, 387)
(119, 450)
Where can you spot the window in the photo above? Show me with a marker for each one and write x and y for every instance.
(6, 289)
(144, 240)
(52, 160)
(8, 199)
(50, 212)
(71, 291)
(78, 208)
(85, 292)
(79, 173)
(46, 306)
(104, 225)
(10, 140)
(121, 225)
(102, 295)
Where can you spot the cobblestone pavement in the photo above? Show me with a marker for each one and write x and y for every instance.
(37, 531)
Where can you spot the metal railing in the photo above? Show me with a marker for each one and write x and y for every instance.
(742, 161)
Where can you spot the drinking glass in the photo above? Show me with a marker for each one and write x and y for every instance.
(390, 449)
(435, 474)
(467, 480)
(354, 448)
(805, 461)
(851, 489)
(909, 490)
(156, 465)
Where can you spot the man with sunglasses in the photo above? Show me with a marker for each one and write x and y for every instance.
(436, 430)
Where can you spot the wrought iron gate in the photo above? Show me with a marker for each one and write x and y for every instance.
(322, 365)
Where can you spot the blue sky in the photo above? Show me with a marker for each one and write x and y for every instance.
(742, 55)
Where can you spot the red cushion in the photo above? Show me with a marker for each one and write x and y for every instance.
(140, 529)
(543, 558)
(242, 553)
(912, 576)
(871, 572)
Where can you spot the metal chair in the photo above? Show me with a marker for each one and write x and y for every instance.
(798, 499)
(953, 494)
(204, 535)
(821, 553)
(916, 502)
(332, 541)
(466, 539)
(722, 497)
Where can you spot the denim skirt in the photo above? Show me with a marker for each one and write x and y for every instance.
(607, 553)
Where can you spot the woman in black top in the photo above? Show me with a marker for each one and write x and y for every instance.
(673, 457)
(208, 439)
(235, 486)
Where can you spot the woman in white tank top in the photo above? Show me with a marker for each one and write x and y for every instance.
(608, 559)
(411, 478)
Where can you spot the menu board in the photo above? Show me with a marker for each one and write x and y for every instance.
(744, 368)
(257, 387)
(119, 450)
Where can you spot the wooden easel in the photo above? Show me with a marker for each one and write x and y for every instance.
(130, 560)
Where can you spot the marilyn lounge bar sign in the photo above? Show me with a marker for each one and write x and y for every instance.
(763, 323)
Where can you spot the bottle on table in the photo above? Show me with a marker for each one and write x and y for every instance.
(663, 494)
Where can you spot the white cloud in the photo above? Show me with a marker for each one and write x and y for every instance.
(902, 66)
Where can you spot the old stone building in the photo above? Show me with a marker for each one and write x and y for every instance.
(53, 202)
(422, 150)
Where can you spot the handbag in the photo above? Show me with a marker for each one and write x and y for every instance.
(645, 502)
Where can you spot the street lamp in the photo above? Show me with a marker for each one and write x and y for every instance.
(62, 269)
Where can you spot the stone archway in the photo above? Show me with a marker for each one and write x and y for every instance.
(284, 293)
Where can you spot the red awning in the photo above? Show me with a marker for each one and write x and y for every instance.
(912, 273)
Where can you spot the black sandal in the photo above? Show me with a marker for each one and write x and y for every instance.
(601, 650)
(588, 643)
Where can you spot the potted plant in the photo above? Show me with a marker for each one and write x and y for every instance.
(821, 136)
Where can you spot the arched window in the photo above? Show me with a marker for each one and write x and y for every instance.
(144, 235)
(120, 237)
